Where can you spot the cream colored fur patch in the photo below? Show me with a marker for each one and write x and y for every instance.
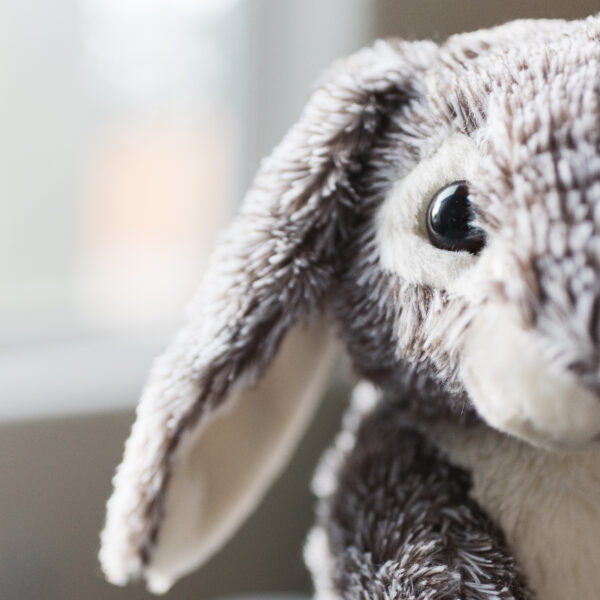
(546, 503)
(517, 391)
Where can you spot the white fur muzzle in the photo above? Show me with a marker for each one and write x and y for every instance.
(517, 391)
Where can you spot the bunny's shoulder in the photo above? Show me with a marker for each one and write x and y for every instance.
(396, 518)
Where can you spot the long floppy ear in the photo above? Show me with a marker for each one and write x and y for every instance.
(191, 473)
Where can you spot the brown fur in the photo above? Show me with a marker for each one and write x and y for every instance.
(305, 242)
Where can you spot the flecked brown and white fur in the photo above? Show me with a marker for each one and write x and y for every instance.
(461, 346)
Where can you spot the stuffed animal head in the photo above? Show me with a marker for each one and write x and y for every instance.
(437, 207)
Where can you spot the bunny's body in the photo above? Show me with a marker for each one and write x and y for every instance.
(440, 205)
(546, 506)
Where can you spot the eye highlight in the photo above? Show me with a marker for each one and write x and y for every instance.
(449, 219)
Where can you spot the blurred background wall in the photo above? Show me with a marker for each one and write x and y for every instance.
(129, 130)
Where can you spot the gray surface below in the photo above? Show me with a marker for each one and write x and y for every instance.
(55, 477)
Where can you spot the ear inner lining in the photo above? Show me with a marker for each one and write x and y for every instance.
(222, 469)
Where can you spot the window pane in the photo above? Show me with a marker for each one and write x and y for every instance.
(121, 161)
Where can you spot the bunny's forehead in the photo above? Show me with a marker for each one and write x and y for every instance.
(488, 76)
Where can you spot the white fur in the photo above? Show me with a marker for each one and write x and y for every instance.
(325, 479)
(515, 390)
(401, 225)
(546, 503)
(321, 563)
(317, 553)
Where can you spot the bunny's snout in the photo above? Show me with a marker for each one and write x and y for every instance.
(531, 360)
(516, 389)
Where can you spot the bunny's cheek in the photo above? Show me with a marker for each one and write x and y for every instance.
(517, 391)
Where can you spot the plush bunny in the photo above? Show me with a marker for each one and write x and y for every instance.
(437, 208)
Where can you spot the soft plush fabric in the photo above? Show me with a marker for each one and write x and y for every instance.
(332, 241)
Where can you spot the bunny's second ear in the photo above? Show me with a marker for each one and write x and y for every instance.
(205, 445)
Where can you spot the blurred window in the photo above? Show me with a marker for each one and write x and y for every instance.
(129, 129)
(119, 118)
(121, 134)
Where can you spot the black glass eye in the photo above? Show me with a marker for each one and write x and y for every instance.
(449, 220)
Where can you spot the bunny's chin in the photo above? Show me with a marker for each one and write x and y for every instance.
(517, 391)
